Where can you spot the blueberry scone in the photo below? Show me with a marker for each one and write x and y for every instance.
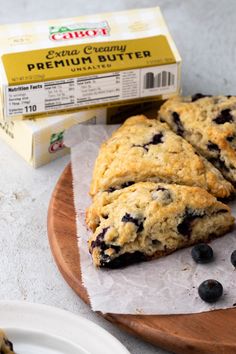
(209, 124)
(148, 220)
(6, 346)
(145, 149)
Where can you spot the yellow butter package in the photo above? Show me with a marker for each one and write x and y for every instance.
(40, 141)
(87, 62)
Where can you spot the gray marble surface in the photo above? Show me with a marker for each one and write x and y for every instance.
(204, 31)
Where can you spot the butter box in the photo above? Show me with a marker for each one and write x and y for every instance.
(40, 141)
(87, 62)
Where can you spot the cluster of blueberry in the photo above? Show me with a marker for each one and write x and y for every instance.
(210, 290)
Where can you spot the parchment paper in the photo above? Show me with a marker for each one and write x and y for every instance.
(165, 286)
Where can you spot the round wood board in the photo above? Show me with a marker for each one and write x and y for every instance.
(204, 333)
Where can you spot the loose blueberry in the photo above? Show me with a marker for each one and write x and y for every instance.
(202, 253)
(210, 290)
(233, 258)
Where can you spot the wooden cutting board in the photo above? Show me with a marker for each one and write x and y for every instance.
(204, 333)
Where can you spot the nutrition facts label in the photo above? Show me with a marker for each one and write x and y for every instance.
(90, 90)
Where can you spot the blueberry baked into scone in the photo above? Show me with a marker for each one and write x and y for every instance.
(6, 346)
(209, 124)
(145, 149)
(148, 220)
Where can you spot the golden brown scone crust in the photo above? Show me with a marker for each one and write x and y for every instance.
(209, 124)
(147, 150)
(148, 220)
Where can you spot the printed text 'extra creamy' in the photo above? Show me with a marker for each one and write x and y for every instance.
(76, 57)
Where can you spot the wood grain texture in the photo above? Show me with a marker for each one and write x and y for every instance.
(204, 333)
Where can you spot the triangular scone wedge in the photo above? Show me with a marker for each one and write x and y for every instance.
(145, 149)
(148, 220)
(209, 124)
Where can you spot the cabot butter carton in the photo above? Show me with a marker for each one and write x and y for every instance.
(40, 141)
(87, 62)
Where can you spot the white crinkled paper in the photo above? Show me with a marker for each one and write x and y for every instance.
(165, 286)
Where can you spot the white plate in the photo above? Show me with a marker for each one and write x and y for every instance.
(41, 329)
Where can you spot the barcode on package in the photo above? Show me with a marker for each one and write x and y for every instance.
(163, 79)
(159, 79)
